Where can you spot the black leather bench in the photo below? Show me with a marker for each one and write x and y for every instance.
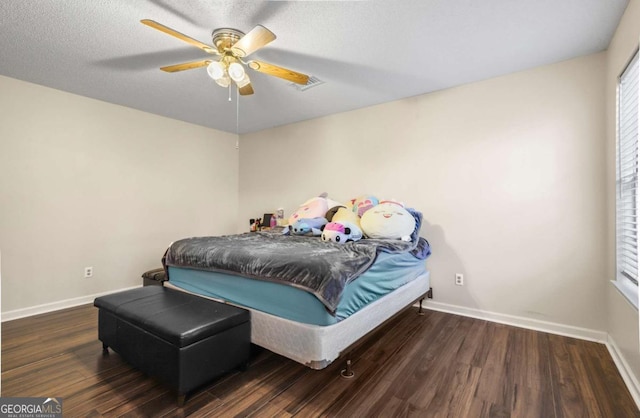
(184, 340)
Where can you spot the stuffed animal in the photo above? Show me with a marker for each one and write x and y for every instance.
(307, 226)
(341, 232)
(330, 202)
(363, 204)
(345, 215)
(313, 208)
(331, 212)
(388, 220)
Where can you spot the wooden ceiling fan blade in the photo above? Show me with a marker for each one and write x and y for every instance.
(162, 28)
(252, 41)
(247, 88)
(185, 66)
(274, 70)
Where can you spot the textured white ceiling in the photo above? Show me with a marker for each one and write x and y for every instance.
(366, 52)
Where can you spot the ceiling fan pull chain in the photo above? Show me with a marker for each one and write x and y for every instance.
(229, 92)
(237, 118)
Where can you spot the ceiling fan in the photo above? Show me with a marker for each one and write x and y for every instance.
(231, 46)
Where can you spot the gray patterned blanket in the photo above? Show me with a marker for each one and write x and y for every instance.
(321, 268)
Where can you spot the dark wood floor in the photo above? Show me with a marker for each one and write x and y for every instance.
(427, 366)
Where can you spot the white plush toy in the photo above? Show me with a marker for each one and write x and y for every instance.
(388, 220)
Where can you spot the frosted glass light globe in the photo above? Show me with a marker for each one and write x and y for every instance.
(243, 81)
(215, 70)
(236, 72)
(224, 81)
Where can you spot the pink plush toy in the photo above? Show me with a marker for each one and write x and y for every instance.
(316, 207)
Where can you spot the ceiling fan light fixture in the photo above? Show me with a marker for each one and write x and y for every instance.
(223, 81)
(236, 72)
(216, 70)
(231, 45)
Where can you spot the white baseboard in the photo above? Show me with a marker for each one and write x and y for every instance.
(55, 306)
(522, 322)
(623, 367)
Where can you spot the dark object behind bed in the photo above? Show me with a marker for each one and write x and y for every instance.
(321, 268)
(154, 277)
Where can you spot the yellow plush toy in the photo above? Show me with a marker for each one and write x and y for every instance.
(345, 215)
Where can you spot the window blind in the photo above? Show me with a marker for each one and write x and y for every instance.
(627, 174)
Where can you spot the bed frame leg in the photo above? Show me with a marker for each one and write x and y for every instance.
(428, 295)
(347, 372)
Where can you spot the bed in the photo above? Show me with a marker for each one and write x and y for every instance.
(309, 300)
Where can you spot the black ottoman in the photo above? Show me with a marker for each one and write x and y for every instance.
(184, 340)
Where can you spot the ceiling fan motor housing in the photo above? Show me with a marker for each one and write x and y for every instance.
(224, 38)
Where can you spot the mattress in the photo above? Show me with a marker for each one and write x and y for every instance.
(317, 346)
(389, 272)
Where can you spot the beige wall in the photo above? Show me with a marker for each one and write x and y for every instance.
(622, 316)
(87, 183)
(508, 172)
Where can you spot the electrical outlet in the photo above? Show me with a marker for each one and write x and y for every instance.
(88, 272)
(459, 279)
